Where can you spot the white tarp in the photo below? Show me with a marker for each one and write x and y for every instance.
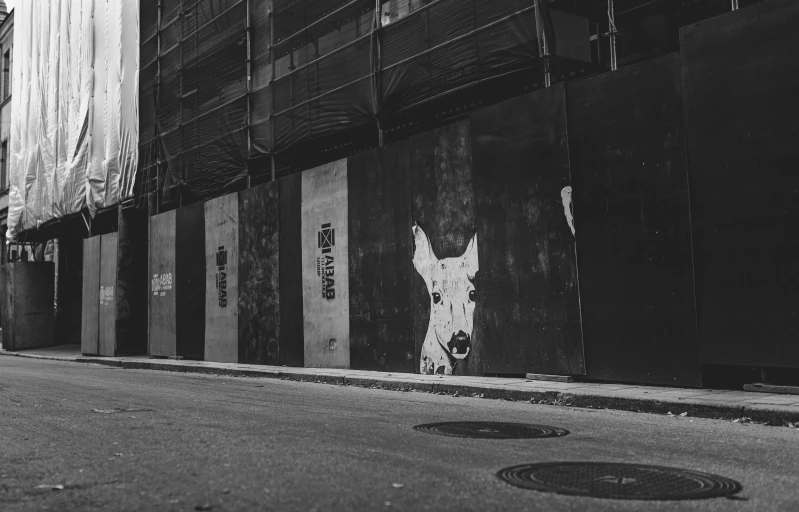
(75, 116)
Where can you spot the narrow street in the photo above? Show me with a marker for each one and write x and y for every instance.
(190, 442)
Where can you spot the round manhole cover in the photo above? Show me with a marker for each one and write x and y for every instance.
(619, 481)
(490, 430)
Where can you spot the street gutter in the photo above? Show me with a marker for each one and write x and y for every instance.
(583, 395)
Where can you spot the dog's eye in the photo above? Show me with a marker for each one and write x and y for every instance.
(472, 295)
(436, 297)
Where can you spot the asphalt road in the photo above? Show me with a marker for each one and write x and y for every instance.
(264, 444)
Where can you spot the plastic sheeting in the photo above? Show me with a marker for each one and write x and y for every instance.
(74, 133)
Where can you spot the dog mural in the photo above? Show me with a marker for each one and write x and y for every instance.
(452, 300)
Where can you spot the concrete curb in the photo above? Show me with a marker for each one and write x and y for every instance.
(773, 414)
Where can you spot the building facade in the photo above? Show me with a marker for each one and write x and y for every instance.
(6, 58)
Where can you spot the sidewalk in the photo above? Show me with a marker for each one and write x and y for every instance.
(775, 409)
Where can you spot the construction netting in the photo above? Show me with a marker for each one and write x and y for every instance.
(74, 128)
(229, 82)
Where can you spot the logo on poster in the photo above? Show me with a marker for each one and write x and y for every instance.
(106, 295)
(161, 283)
(325, 263)
(221, 275)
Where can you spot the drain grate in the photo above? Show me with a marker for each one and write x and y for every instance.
(490, 430)
(619, 481)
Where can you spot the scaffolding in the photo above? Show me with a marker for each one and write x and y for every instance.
(241, 90)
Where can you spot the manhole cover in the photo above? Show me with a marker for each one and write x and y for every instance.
(619, 481)
(490, 430)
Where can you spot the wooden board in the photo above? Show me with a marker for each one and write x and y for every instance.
(259, 272)
(529, 296)
(107, 303)
(741, 75)
(132, 283)
(291, 336)
(325, 278)
(190, 281)
(380, 260)
(443, 206)
(162, 331)
(632, 219)
(90, 303)
(222, 279)
(6, 305)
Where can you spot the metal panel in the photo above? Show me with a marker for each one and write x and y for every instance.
(325, 278)
(291, 336)
(529, 297)
(163, 333)
(32, 291)
(380, 258)
(741, 75)
(132, 283)
(443, 206)
(632, 220)
(90, 310)
(222, 279)
(190, 281)
(107, 315)
(259, 269)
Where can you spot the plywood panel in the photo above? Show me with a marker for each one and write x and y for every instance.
(291, 336)
(529, 297)
(632, 219)
(741, 75)
(443, 206)
(108, 291)
(132, 283)
(90, 309)
(162, 316)
(380, 254)
(222, 279)
(325, 278)
(190, 281)
(259, 269)
(6, 305)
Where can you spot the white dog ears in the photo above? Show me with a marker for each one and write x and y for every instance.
(423, 256)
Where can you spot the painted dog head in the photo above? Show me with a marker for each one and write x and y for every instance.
(452, 300)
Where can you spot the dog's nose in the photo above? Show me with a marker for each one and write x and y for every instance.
(459, 345)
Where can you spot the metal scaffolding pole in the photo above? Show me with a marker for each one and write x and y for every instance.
(249, 88)
(376, 69)
(543, 45)
(612, 35)
(271, 15)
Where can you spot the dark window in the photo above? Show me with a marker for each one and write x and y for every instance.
(4, 165)
(7, 74)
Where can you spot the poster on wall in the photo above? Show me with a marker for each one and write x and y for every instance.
(325, 273)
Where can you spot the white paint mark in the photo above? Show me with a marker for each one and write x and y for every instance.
(568, 209)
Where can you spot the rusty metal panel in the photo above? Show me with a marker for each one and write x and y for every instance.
(32, 292)
(190, 281)
(107, 315)
(740, 74)
(325, 278)
(443, 207)
(291, 336)
(90, 310)
(529, 304)
(259, 269)
(380, 254)
(132, 283)
(222, 279)
(632, 219)
(163, 332)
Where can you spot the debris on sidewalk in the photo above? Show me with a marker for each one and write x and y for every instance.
(397, 486)
(57, 487)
